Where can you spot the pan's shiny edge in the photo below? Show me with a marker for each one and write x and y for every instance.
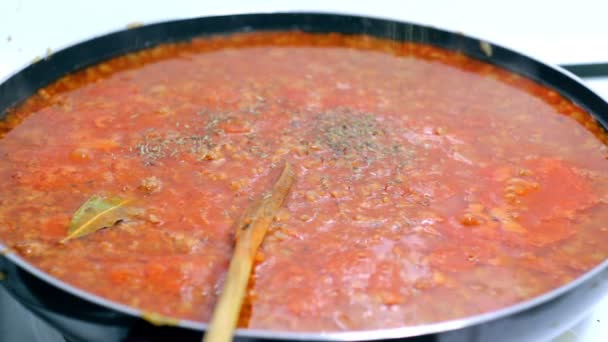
(539, 318)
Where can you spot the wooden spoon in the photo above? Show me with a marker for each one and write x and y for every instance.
(250, 231)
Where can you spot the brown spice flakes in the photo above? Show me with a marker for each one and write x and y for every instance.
(345, 131)
(154, 147)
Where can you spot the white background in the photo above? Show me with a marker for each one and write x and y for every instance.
(557, 32)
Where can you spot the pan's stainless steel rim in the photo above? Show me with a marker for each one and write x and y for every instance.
(379, 334)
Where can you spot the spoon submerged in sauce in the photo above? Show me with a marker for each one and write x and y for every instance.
(250, 231)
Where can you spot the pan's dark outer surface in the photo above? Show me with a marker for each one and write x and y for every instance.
(81, 316)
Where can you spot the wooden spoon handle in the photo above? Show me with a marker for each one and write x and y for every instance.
(250, 232)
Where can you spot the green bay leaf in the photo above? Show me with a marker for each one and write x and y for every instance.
(96, 213)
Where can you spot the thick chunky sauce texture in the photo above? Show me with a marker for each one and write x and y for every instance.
(430, 186)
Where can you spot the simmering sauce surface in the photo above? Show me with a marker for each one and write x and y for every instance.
(430, 186)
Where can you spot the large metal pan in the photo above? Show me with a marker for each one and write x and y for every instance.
(82, 316)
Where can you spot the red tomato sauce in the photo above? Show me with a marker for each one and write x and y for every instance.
(430, 186)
